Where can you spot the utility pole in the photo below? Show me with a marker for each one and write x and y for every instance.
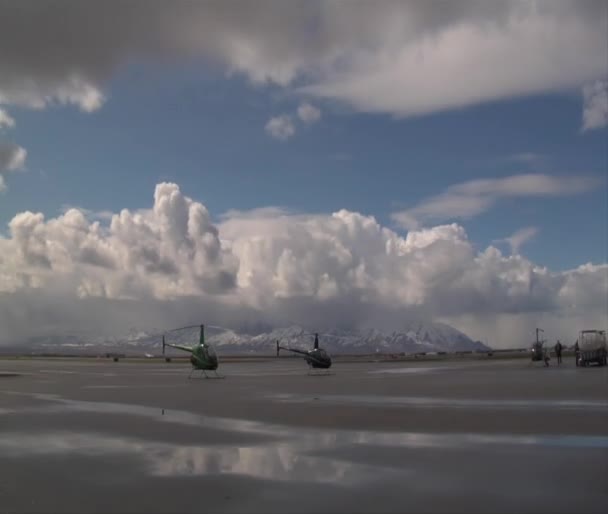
(537, 331)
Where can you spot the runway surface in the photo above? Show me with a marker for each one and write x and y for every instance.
(453, 436)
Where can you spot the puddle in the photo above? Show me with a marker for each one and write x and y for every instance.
(123, 386)
(280, 462)
(446, 403)
(67, 372)
(366, 465)
(108, 387)
(286, 454)
(58, 371)
(306, 437)
(58, 404)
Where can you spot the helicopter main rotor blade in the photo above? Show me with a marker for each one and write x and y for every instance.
(320, 334)
(198, 326)
(184, 328)
(219, 327)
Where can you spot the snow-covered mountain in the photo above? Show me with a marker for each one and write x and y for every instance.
(413, 338)
(418, 337)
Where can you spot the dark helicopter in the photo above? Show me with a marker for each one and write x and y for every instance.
(203, 357)
(317, 358)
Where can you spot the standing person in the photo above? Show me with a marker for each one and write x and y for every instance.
(576, 352)
(558, 352)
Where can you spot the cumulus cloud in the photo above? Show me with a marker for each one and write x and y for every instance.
(308, 113)
(403, 58)
(470, 199)
(595, 105)
(94, 215)
(171, 249)
(280, 127)
(518, 238)
(165, 264)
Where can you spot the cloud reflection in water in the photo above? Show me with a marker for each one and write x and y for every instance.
(269, 461)
(292, 453)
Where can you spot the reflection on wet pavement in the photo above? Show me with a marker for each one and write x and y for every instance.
(292, 453)
(443, 403)
(280, 460)
(61, 405)
(276, 462)
(115, 456)
(146, 386)
(413, 371)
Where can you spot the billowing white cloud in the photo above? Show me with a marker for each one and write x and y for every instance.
(171, 249)
(466, 200)
(169, 263)
(6, 121)
(280, 127)
(400, 57)
(474, 54)
(595, 105)
(308, 113)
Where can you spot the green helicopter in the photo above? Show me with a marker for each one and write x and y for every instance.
(203, 357)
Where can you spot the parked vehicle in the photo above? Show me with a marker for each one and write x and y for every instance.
(592, 347)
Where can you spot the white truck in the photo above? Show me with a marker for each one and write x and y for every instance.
(592, 347)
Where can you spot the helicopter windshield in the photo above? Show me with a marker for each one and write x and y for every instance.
(210, 351)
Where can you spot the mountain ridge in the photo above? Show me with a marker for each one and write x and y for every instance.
(415, 337)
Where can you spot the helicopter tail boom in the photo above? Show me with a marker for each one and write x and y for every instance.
(293, 350)
(178, 347)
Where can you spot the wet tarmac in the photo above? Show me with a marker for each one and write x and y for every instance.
(103, 436)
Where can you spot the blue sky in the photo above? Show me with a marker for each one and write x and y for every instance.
(460, 126)
(205, 131)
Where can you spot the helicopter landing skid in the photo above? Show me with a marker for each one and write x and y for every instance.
(204, 375)
(319, 373)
